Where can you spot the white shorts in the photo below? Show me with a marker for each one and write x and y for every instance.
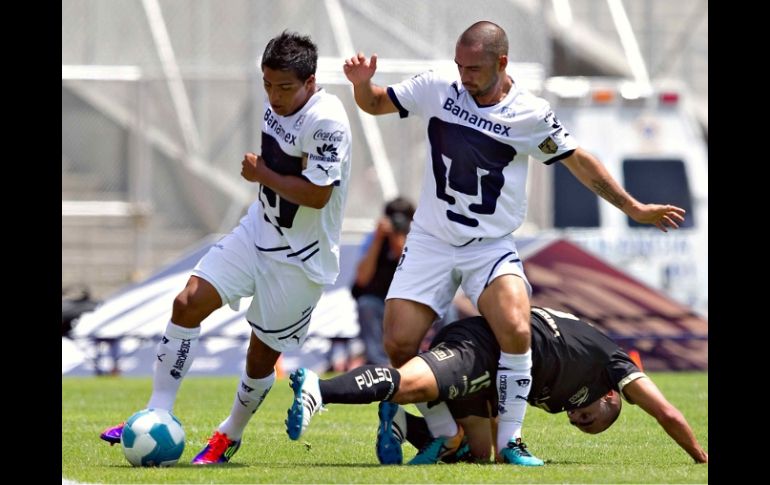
(284, 297)
(431, 270)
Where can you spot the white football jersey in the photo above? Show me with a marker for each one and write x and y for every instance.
(313, 143)
(474, 182)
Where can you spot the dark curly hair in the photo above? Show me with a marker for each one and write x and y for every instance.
(293, 52)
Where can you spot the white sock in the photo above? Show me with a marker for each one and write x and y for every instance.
(514, 379)
(174, 356)
(248, 398)
(439, 419)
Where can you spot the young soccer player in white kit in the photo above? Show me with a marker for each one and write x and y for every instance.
(282, 252)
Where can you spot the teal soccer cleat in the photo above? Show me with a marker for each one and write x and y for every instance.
(517, 454)
(307, 401)
(439, 448)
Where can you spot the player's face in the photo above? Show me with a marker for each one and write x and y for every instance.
(285, 92)
(597, 416)
(479, 71)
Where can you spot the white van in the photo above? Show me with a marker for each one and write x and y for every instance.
(654, 148)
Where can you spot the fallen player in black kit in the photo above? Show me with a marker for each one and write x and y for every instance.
(576, 369)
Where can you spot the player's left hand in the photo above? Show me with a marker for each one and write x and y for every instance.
(251, 166)
(662, 216)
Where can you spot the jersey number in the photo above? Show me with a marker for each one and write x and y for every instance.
(479, 383)
(476, 162)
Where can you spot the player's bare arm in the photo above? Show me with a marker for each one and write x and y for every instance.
(645, 394)
(591, 173)
(369, 97)
(290, 187)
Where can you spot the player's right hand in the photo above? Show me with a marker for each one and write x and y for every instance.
(384, 228)
(251, 166)
(359, 69)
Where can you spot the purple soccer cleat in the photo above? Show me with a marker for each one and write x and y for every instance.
(219, 449)
(112, 435)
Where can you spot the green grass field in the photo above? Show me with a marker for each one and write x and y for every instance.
(339, 445)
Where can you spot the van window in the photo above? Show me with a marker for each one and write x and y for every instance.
(573, 204)
(662, 181)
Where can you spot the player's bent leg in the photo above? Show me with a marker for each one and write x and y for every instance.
(180, 342)
(307, 401)
(390, 433)
(505, 305)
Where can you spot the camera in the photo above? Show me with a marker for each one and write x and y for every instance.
(400, 222)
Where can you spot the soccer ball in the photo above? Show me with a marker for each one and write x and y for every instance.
(152, 437)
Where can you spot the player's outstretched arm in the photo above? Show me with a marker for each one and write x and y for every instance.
(369, 97)
(591, 173)
(644, 393)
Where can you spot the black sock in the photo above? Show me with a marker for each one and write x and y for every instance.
(368, 383)
(417, 432)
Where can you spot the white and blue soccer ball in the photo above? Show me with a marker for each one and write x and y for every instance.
(152, 437)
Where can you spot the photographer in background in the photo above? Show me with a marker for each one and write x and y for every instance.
(381, 255)
(74, 302)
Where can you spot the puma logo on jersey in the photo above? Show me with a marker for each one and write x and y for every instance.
(326, 170)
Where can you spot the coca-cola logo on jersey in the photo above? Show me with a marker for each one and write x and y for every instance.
(329, 135)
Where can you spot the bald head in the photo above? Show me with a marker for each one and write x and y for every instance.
(597, 416)
(489, 35)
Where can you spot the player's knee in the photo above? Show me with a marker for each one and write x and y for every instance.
(521, 330)
(516, 337)
(187, 307)
(517, 320)
(398, 352)
(182, 303)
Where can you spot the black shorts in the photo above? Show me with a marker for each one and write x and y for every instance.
(466, 373)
